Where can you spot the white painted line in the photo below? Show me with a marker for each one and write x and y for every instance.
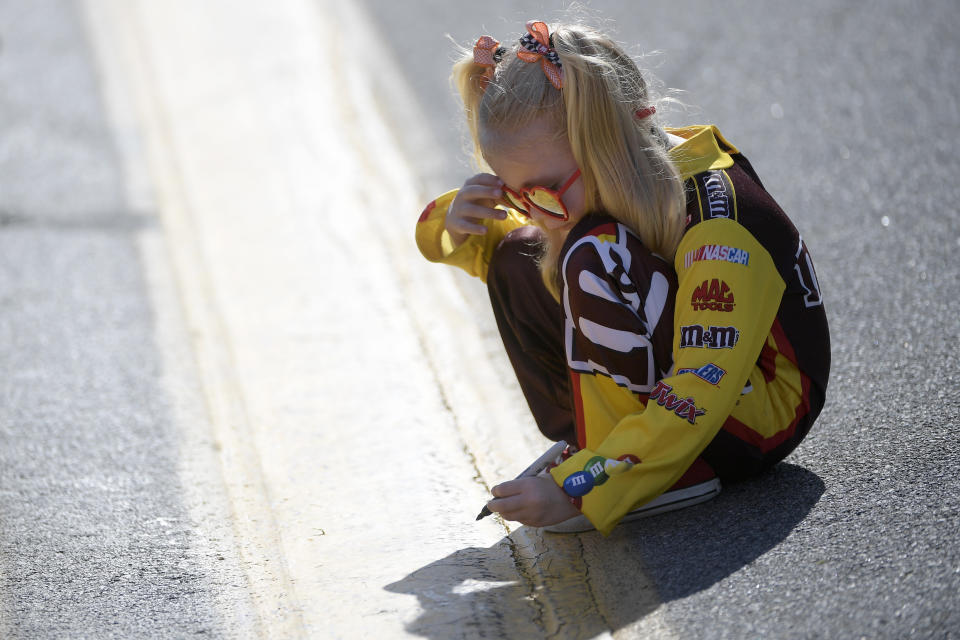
(126, 61)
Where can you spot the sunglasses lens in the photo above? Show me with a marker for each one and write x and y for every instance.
(515, 201)
(548, 203)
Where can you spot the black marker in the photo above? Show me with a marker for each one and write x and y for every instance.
(538, 465)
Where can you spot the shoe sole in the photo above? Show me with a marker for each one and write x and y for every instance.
(670, 501)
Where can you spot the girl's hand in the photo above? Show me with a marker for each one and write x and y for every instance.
(536, 501)
(474, 202)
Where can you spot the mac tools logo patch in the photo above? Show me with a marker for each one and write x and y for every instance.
(712, 295)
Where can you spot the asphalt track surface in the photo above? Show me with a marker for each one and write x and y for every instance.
(119, 515)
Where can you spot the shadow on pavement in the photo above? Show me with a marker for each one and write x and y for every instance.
(609, 582)
(471, 593)
(685, 552)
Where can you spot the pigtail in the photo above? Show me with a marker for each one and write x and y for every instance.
(626, 170)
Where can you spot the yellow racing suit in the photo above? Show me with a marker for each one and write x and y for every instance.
(750, 343)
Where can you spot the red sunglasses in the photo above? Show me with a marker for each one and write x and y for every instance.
(549, 201)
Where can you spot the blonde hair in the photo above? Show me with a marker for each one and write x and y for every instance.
(623, 159)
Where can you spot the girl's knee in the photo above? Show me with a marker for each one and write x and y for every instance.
(515, 257)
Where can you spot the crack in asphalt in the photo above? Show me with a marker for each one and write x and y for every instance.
(588, 582)
(529, 578)
(564, 593)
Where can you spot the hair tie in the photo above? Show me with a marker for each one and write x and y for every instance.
(646, 112)
(537, 45)
(487, 52)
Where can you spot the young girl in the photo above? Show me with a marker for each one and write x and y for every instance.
(666, 378)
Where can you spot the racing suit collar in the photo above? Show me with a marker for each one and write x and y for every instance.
(703, 149)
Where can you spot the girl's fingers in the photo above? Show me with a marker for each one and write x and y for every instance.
(508, 499)
(464, 220)
(476, 192)
(508, 488)
(511, 508)
(475, 202)
(472, 210)
(484, 178)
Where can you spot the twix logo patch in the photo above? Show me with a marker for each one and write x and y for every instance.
(712, 295)
(686, 408)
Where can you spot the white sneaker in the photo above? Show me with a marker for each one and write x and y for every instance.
(667, 501)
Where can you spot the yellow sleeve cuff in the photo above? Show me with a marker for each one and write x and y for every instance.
(473, 255)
